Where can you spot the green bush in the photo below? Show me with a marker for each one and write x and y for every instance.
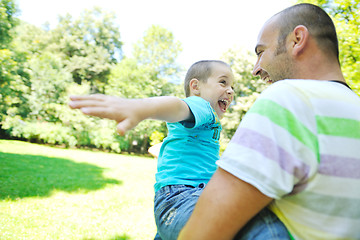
(44, 132)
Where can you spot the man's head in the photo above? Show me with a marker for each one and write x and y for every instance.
(211, 80)
(287, 35)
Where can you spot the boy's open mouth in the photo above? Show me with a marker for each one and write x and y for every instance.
(223, 104)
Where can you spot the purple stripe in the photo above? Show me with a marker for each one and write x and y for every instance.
(267, 147)
(339, 166)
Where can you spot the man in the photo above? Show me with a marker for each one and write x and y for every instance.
(298, 148)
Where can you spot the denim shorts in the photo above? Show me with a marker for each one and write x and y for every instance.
(265, 225)
(174, 204)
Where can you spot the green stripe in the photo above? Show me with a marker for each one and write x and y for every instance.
(291, 236)
(338, 127)
(287, 120)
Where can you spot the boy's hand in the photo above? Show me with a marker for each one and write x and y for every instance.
(126, 112)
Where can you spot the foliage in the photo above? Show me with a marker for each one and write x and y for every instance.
(10, 81)
(346, 17)
(29, 39)
(156, 137)
(36, 81)
(48, 82)
(158, 51)
(129, 79)
(10, 84)
(72, 129)
(89, 46)
(148, 74)
(8, 21)
(13, 85)
(82, 56)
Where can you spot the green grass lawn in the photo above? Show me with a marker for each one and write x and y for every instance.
(53, 193)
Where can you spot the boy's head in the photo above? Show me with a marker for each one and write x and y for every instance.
(212, 80)
(201, 71)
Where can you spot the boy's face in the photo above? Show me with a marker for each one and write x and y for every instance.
(218, 90)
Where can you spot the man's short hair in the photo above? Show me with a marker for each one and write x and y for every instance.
(200, 70)
(316, 20)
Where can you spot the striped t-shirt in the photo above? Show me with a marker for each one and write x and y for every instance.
(300, 144)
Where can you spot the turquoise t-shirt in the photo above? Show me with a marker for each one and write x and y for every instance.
(189, 152)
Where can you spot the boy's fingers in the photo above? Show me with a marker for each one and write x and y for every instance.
(77, 103)
(98, 112)
(124, 126)
(88, 97)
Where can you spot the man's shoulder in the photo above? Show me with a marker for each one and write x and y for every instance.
(305, 83)
(304, 87)
(299, 83)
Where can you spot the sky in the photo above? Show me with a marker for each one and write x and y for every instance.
(205, 28)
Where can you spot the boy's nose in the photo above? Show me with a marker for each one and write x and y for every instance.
(230, 91)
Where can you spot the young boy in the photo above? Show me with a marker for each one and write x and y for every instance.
(187, 156)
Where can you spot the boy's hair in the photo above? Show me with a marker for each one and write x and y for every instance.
(317, 21)
(200, 70)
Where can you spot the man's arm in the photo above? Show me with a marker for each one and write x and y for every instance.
(129, 112)
(225, 206)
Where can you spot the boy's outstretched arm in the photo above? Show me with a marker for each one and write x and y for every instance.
(129, 112)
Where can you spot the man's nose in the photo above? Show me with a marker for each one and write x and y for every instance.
(257, 70)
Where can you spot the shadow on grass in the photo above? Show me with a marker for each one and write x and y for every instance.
(32, 175)
(122, 237)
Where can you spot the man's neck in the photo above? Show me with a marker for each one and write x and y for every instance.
(321, 70)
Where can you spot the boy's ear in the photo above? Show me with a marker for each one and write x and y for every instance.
(194, 87)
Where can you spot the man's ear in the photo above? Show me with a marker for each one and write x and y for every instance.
(194, 87)
(300, 39)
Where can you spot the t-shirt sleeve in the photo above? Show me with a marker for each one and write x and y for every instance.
(275, 146)
(201, 110)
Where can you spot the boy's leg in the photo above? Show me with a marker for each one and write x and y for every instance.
(173, 207)
(265, 225)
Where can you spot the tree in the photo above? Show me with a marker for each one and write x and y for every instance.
(346, 17)
(44, 66)
(158, 51)
(11, 84)
(89, 45)
(147, 74)
(30, 40)
(48, 84)
(8, 21)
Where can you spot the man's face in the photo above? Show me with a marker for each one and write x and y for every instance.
(274, 62)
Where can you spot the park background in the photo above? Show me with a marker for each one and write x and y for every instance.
(45, 180)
